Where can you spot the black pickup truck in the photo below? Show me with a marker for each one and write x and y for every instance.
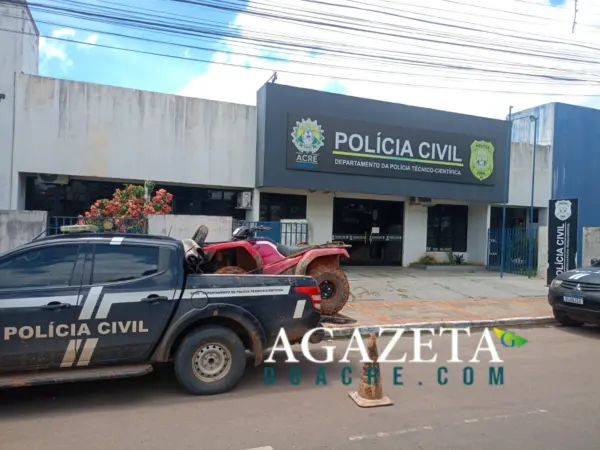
(86, 306)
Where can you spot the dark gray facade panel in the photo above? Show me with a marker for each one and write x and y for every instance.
(375, 147)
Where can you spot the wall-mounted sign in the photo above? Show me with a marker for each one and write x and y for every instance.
(325, 144)
(562, 237)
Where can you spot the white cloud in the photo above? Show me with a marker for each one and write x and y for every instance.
(49, 50)
(91, 39)
(239, 85)
(58, 48)
(54, 49)
(63, 33)
(88, 43)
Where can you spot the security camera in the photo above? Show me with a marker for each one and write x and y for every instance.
(532, 118)
(2, 97)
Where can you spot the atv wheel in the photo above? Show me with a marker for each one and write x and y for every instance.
(334, 286)
(564, 319)
(231, 270)
(210, 360)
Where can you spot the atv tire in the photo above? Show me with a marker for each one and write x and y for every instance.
(231, 270)
(335, 289)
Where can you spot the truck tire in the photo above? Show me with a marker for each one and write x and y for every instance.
(564, 319)
(210, 360)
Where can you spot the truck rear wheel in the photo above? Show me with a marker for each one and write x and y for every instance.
(210, 360)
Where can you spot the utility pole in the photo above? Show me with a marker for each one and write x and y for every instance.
(574, 17)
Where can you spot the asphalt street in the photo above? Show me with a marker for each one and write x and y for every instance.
(550, 399)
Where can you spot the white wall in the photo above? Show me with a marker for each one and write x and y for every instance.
(319, 212)
(521, 158)
(18, 53)
(184, 227)
(20, 227)
(477, 230)
(415, 233)
(591, 245)
(92, 130)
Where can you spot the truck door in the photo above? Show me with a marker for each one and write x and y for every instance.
(39, 288)
(128, 294)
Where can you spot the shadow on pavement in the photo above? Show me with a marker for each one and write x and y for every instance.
(587, 331)
(160, 387)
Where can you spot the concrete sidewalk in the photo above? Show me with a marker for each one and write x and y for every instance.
(399, 284)
(397, 296)
(388, 313)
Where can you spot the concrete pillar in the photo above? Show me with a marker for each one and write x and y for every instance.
(543, 217)
(319, 212)
(477, 232)
(253, 214)
(415, 233)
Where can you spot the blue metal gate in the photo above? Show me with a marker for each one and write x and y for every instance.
(517, 249)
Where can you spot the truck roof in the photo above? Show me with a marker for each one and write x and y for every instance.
(100, 237)
(108, 236)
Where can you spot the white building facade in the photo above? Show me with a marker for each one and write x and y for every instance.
(407, 192)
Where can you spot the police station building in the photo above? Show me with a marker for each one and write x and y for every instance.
(394, 181)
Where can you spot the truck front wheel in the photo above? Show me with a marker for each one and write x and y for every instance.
(210, 360)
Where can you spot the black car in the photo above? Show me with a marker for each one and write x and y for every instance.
(87, 306)
(575, 296)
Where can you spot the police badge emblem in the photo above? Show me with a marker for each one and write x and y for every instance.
(562, 209)
(482, 159)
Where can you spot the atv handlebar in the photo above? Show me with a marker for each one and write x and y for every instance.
(252, 232)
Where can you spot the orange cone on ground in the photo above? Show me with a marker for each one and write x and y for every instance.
(370, 389)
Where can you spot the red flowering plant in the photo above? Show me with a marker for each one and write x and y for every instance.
(128, 209)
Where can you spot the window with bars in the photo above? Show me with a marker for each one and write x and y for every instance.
(447, 228)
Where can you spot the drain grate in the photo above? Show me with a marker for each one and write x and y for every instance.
(338, 319)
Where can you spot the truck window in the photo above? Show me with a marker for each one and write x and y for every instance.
(114, 263)
(41, 267)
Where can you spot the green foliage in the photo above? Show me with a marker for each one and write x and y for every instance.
(427, 260)
(459, 259)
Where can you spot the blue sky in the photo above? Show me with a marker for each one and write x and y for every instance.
(95, 64)
(128, 69)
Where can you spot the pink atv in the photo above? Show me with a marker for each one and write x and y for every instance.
(246, 253)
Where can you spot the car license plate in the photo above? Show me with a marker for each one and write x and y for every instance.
(576, 300)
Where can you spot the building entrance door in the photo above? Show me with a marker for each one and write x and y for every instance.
(374, 228)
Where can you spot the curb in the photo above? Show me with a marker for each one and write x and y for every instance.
(522, 321)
